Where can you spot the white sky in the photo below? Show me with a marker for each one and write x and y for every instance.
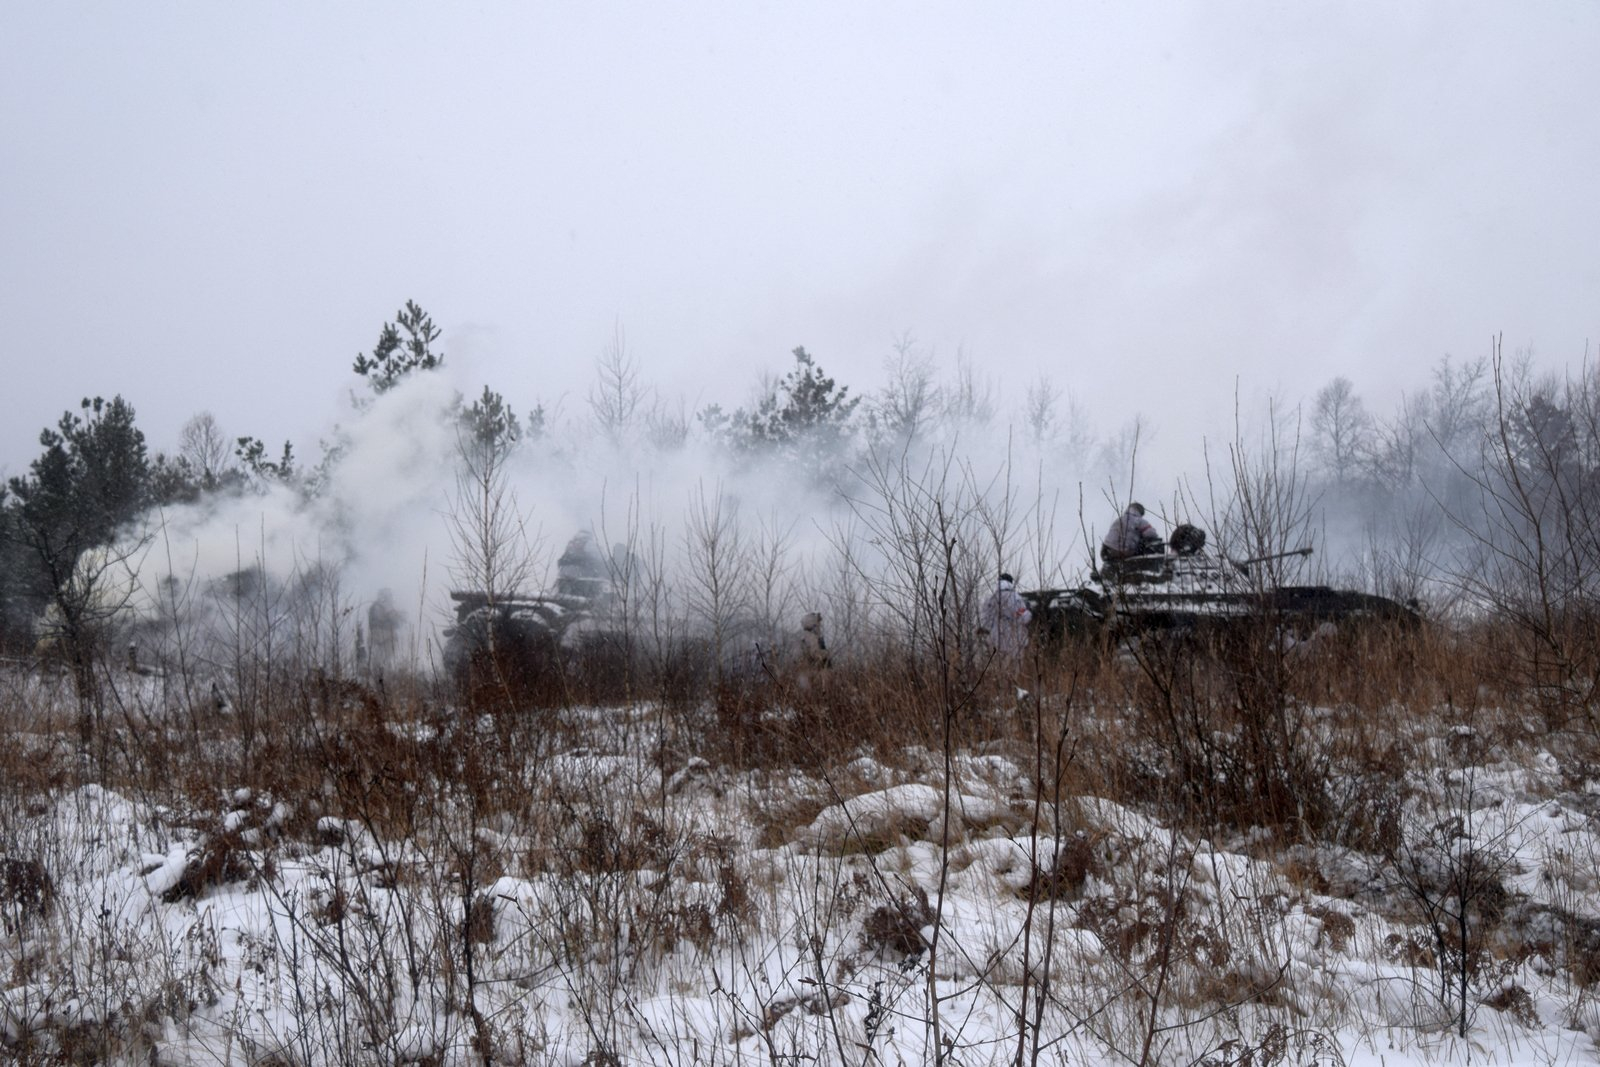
(216, 206)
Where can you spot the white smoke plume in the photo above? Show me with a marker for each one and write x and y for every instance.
(378, 531)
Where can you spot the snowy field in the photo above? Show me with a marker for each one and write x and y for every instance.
(577, 888)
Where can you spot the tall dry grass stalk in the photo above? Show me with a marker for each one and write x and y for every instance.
(439, 866)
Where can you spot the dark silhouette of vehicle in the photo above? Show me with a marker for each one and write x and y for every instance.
(521, 644)
(1186, 588)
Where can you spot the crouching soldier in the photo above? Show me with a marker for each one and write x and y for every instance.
(1132, 550)
(1130, 535)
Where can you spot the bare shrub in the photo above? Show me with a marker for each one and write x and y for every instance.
(1535, 534)
(1229, 737)
(1075, 860)
(897, 927)
(217, 861)
(27, 892)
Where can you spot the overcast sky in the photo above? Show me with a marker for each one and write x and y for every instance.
(216, 206)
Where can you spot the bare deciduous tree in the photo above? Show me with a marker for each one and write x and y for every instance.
(1394, 459)
(667, 425)
(774, 586)
(1339, 426)
(493, 554)
(907, 401)
(1460, 402)
(1118, 457)
(209, 451)
(717, 586)
(970, 401)
(1041, 416)
(1535, 558)
(616, 396)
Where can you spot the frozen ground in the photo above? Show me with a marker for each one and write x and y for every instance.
(631, 907)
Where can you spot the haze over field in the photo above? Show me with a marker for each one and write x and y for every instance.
(591, 540)
(213, 208)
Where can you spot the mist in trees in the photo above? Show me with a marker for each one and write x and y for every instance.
(1398, 496)
(422, 489)
(1341, 428)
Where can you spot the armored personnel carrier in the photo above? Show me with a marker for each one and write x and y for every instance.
(1185, 587)
(530, 634)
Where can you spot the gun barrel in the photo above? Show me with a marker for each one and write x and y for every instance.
(1303, 550)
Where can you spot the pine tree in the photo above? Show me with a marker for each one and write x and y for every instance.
(92, 479)
(806, 403)
(393, 358)
(806, 417)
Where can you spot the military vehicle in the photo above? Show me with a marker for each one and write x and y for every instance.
(1185, 588)
(531, 635)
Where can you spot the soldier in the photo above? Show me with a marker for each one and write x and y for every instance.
(1004, 617)
(815, 658)
(1130, 535)
(813, 648)
(383, 630)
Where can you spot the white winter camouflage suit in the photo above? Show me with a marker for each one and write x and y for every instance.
(1006, 616)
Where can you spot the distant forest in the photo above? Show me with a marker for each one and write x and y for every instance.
(1490, 454)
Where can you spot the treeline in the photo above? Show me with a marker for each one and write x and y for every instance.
(1486, 456)
(97, 474)
(1490, 458)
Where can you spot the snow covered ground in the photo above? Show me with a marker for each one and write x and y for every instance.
(625, 905)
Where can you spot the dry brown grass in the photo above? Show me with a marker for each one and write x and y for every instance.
(1237, 734)
(1236, 738)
